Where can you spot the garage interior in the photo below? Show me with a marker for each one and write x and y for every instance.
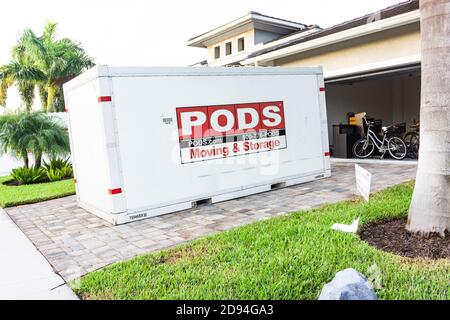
(390, 95)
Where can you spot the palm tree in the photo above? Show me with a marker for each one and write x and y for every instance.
(45, 62)
(5, 83)
(34, 132)
(430, 206)
(21, 72)
(9, 138)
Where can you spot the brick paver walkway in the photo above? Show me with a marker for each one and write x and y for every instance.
(76, 242)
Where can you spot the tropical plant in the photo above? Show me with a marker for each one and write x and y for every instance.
(5, 83)
(430, 211)
(34, 132)
(20, 72)
(56, 163)
(10, 138)
(58, 169)
(28, 175)
(55, 174)
(67, 171)
(45, 62)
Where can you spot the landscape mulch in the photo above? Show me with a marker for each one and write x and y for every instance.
(391, 236)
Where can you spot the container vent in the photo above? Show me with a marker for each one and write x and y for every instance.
(201, 202)
(278, 185)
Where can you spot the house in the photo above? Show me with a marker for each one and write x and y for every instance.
(371, 63)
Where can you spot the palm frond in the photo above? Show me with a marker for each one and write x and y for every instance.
(19, 71)
(46, 62)
(26, 92)
(35, 131)
(49, 34)
(5, 83)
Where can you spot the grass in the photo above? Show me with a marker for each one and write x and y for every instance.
(17, 195)
(289, 257)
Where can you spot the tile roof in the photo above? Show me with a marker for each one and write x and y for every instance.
(388, 12)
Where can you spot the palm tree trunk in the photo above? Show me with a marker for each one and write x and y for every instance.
(26, 161)
(51, 96)
(26, 92)
(38, 160)
(60, 105)
(430, 206)
(43, 96)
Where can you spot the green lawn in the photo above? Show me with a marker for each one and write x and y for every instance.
(17, 195)
(289, 257)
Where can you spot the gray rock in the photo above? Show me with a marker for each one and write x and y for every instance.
(348, 284)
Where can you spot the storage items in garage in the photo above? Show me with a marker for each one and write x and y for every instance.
(344, 137)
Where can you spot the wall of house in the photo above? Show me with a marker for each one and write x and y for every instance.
(406, 99)
(391, 99)
(249, 37)
(379, 47)
(252, 37)
(7, 163)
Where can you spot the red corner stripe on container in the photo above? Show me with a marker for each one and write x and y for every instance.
(104, 99)
(327, 154)
(115, 191)
(322, 89)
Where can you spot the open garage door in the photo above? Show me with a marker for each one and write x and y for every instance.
(375, 74)
(390, 95)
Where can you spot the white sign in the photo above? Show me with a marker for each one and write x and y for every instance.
(351, 228)
(363, 178)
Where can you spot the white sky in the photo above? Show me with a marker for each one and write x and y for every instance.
(154, 33)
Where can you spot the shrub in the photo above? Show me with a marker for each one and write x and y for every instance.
(34, 132)
(58, 169)
(59, 174)
(28, 175)
(67, 171)
(56, 163)
(55, 170)
(55, 175)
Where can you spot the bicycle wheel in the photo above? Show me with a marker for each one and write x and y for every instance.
(363, 148)
(412, 144)
(397, 148)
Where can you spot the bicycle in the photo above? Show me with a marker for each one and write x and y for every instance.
(412, 141)
(364, 147)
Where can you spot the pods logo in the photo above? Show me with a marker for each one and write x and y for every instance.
(215, 131)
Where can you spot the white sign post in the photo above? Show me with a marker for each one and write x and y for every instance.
(363, 178)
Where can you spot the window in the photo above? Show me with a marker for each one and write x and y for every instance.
(228, 48)
(241, 44)
(217, 52)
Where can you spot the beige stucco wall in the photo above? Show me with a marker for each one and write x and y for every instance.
(378, 47)
(249, 39)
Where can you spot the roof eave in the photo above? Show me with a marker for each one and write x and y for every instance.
(377, 26)
(200, 40)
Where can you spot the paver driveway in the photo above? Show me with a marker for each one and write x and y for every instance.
(76, 242)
